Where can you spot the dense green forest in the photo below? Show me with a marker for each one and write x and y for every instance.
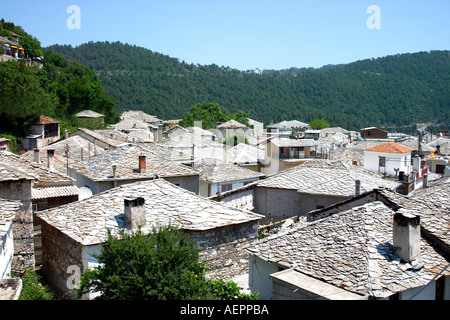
(394, 90)
(59, 89)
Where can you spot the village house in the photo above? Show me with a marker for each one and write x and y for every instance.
(230, 128)
(129, 163)
(72, 234)
(373, 133)
(16, 184)
(283, 129)
(282, 154)
(41, 133)
(90, 119)
(142, 116)
(313, 185)
(246, 156)
(218, 176)
(379, 245)
(48, 189)
(195, 142)
(388, 158)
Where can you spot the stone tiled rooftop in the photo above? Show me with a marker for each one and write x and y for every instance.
(213, 170)
(433, 205)
(231, 124)
(18, 166)
(293, 142)
(352, 250)
(126, 158)
(324, 177)
(87, 221)
(242, 153)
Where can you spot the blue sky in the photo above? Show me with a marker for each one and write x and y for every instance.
(244, 34)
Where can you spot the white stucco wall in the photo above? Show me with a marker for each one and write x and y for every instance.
(6, 251)
(393, 160)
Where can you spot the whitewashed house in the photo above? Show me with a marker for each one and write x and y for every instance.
(388, 158)
(380, 246)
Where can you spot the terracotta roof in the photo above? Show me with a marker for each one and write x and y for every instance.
(45, 120)
(390, 147)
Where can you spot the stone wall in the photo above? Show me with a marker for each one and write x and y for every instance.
(59, 252)
(223, 249)
(22, 223)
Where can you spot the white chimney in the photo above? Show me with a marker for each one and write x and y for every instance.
(50, 158)
(407, 235)
(37, 156)
(135, 212)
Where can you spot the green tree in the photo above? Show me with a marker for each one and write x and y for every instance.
(32, 46)
(208, 113)
(33, 288)
(319, 124)
(163, 265)
(22, 98)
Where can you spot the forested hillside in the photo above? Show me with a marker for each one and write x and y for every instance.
(58, 90)
(394, 90)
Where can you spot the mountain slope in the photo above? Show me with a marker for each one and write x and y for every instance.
(394, 90)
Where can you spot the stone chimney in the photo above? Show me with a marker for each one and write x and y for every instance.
(142, 164)
(50, 158)
(407, 235)
(357, 187)
(134, 212)
(114, 168)
(425, 181)
(155, 135)
(37, 156)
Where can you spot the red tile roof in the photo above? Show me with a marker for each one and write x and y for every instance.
(390, 147)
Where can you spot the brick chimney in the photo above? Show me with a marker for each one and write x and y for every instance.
(134, 212)
(142, 164)
(50, 158)
(407, 235)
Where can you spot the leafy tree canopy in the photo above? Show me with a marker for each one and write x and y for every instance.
(210, 115)
(393, 90)
(163, 265)
(319, 124)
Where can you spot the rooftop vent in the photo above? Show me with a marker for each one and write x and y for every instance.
(134, 212)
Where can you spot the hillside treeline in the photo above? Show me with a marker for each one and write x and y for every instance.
(390, 91)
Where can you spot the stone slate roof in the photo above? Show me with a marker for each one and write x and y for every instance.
(287, 125)
(293, 142)
(126, 158)
(19, 166)
(352, 250)
(231, 124)
(433, 204)
(89, 114)
(214, 170)
(87, 221)
(242, 153)
(326, 178)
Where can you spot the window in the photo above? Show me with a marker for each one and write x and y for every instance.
(226, 187)
(382, 161)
